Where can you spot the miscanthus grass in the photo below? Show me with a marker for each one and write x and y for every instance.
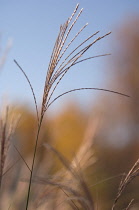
(60, 63)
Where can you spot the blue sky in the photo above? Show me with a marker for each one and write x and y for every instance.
(33, 27)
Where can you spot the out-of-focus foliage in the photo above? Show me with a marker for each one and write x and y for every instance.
(124, 113)
(71, 123)
(65, 130)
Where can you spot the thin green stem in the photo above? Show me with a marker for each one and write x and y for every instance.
(33, 163)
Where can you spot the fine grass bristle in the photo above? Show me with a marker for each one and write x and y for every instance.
(33, 93)
(56, 70)
(132, 174)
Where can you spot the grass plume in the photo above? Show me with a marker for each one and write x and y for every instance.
(59, 65)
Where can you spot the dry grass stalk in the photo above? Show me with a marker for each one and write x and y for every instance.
(85, 156)
(59, 65)
(8, 125)
(79, 89)
(34, 97)
(132, 174)
(129, 205)
(82, 160)
(72, 188)
(4, 145)
(57, 70)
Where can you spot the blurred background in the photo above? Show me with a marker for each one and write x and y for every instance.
(27, 33)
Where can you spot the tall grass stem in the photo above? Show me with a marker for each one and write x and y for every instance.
(33, 162)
